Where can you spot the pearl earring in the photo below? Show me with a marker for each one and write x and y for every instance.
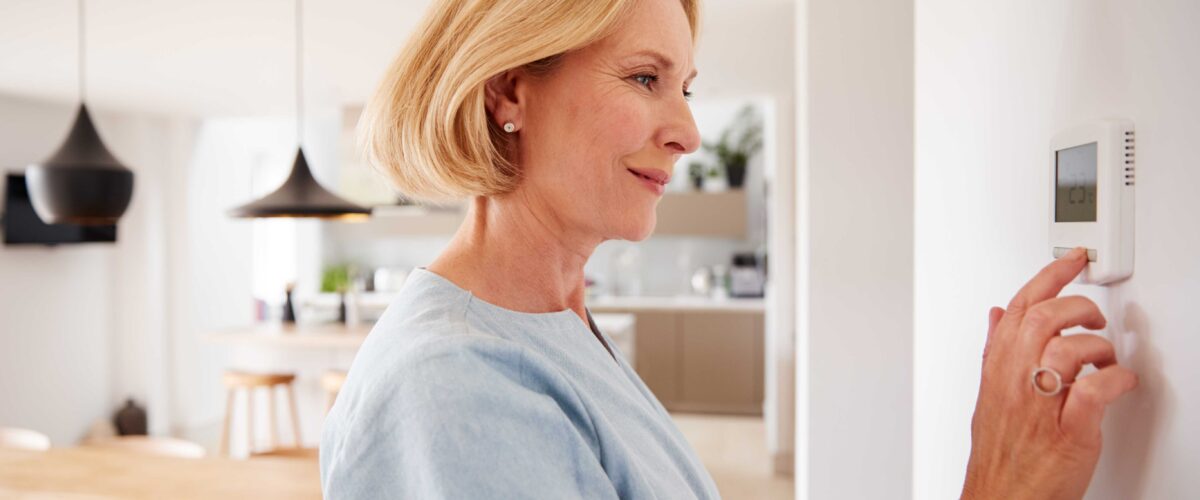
(509, 127)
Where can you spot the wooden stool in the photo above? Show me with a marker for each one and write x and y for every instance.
(235, 380)
(332, 383)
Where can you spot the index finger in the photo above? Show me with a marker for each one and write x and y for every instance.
(1050, 280)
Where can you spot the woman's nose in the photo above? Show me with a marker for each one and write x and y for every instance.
(680, 134)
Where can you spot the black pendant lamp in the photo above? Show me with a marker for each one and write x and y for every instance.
(301, 195)
(81, 183)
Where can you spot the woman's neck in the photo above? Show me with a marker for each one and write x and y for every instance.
(511, 253)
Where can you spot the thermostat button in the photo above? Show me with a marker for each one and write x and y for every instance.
(1061, 251)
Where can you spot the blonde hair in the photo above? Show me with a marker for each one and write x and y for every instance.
(427, 128)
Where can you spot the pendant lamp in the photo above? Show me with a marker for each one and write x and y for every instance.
(301, 195)
(81, 183)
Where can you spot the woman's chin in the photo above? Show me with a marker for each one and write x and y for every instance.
(641, 230)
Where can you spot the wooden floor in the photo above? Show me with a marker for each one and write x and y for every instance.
(734, 449)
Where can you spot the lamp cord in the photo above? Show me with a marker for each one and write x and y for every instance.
(82, 55)
(300, 72)
(299, 65)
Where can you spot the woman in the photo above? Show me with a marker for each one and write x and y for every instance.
(486, 378)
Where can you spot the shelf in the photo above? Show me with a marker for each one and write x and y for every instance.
(407, 221)
(720, 214)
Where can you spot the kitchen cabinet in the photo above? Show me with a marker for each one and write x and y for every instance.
(721, 362)
(657, 343)
(701, 360)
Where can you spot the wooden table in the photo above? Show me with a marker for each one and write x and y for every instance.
(272, 335)
(78, 473)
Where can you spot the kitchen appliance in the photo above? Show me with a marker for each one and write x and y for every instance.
(22, 226)
(747, 278)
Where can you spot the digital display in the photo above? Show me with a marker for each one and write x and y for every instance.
(1075, 187)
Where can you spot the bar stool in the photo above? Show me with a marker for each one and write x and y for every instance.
(332, 383)
(237, 380)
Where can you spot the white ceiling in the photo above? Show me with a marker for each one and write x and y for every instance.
(210, 57)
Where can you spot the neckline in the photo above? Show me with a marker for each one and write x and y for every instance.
(550, 320)
(488, 305)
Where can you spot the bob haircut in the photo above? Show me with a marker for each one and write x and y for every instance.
(427, 128)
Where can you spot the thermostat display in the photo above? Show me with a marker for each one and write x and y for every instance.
(1091, 185)
(1075, 194)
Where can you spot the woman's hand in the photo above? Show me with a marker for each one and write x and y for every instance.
(1026, 445)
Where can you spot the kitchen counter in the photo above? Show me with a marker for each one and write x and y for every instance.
(339, 336)
(373, 304)
(676, 303)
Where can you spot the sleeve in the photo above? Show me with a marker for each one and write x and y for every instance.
(465, 420)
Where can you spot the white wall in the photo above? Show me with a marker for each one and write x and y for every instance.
(211, 257)
(854, 230)
(748, 49)
(221, 267)
(994, 81)
(83, 324)
(154, 147)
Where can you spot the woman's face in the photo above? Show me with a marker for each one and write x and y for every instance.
(605, 117)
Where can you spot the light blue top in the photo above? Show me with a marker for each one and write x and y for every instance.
(453, 397)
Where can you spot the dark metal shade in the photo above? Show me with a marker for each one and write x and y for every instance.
(82, 183)
(301, 196)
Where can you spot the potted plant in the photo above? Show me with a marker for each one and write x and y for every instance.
(336, 279)
(715, 180)
(741, 140)
(696, 173)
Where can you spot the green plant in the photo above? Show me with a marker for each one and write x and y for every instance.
(336, 279)
(740, 140)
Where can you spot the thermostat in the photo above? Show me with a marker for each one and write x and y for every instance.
(1091, 197)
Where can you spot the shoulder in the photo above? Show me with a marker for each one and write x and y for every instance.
(425, 339)
(417, 370)
(434, 404)
(425, 320)
(424, 360)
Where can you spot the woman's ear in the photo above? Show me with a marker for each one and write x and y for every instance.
(501, 98)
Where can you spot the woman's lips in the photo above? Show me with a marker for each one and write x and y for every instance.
(655, 175)
(655, 180)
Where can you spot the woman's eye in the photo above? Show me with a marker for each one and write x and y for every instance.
(646, 79)
(649, 79)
